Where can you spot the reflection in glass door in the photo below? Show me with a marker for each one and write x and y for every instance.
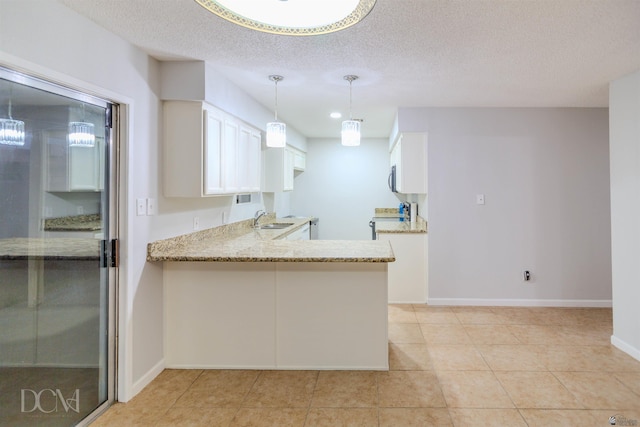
(55, 272)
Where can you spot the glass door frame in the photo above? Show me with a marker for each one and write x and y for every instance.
(112, 189)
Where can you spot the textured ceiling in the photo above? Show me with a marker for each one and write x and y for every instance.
(408, 53)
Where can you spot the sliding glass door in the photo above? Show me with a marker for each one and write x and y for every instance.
(56, 272)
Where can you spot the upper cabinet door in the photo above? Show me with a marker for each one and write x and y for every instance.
(249, 159)
(230, 155)
(409, 155)
(71, 168)
(213, 127)
(288, 169)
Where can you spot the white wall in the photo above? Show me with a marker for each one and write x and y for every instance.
(624, 118)
(48, 47)
(545, 177)
(44, 40)
(342, 186)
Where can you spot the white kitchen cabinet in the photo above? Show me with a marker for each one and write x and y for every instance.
(408, 278)
(249, 159)
(230, 154)
(279, 164)
(208, 152)
(409, 155)
(73, 168)
(299, 160)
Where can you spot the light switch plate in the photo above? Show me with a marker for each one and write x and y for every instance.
(141, 207)
(480, 199)
(151, 206)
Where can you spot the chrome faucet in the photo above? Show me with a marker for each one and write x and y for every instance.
(259, 214)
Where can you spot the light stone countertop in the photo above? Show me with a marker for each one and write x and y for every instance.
(420, 226)
(240, 242)
(91, 222)
(49, 248)
(405, 226)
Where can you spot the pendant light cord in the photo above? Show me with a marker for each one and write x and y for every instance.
(350, 100)
(350, 78)
(276, 119)
(10, 99)
(276, 79)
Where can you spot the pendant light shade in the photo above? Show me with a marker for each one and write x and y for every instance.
(81, 134)
(276, 130)
(11, 131)
(350, 128)
(276, 134)
(351, 133)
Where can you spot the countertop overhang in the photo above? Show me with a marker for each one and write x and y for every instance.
(49, 248)
(240, 242)
(398, 226)
(390, 221)
(91, 222)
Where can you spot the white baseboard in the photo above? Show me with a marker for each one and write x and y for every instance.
(50, 365)
(147, 378)
(407, 302)
(520, 302)
(626, 347)
(207, 366)
(285, 367)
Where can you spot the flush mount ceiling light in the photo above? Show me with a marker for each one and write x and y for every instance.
(81, 134)
(350, 128)
(11, 131)
(291, 17)
(276, 131)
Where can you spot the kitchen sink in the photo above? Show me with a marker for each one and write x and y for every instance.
(275, 225)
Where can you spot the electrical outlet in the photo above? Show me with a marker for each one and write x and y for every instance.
(80, 210)
(196, 223)
(141, 207)
(48, 212)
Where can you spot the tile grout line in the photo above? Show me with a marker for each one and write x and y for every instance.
(315, 387)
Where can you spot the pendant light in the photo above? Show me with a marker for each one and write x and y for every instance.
(81, 134)
(11, 131)
(350, 128)
(276, 131)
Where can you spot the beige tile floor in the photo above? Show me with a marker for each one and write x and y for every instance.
(449, 366)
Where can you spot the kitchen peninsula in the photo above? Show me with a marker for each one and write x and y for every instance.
(241, 297)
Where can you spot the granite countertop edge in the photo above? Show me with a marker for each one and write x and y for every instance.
(327, 259)
(69, 249)
(402, 227)
(240, 242)
(90, 222)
